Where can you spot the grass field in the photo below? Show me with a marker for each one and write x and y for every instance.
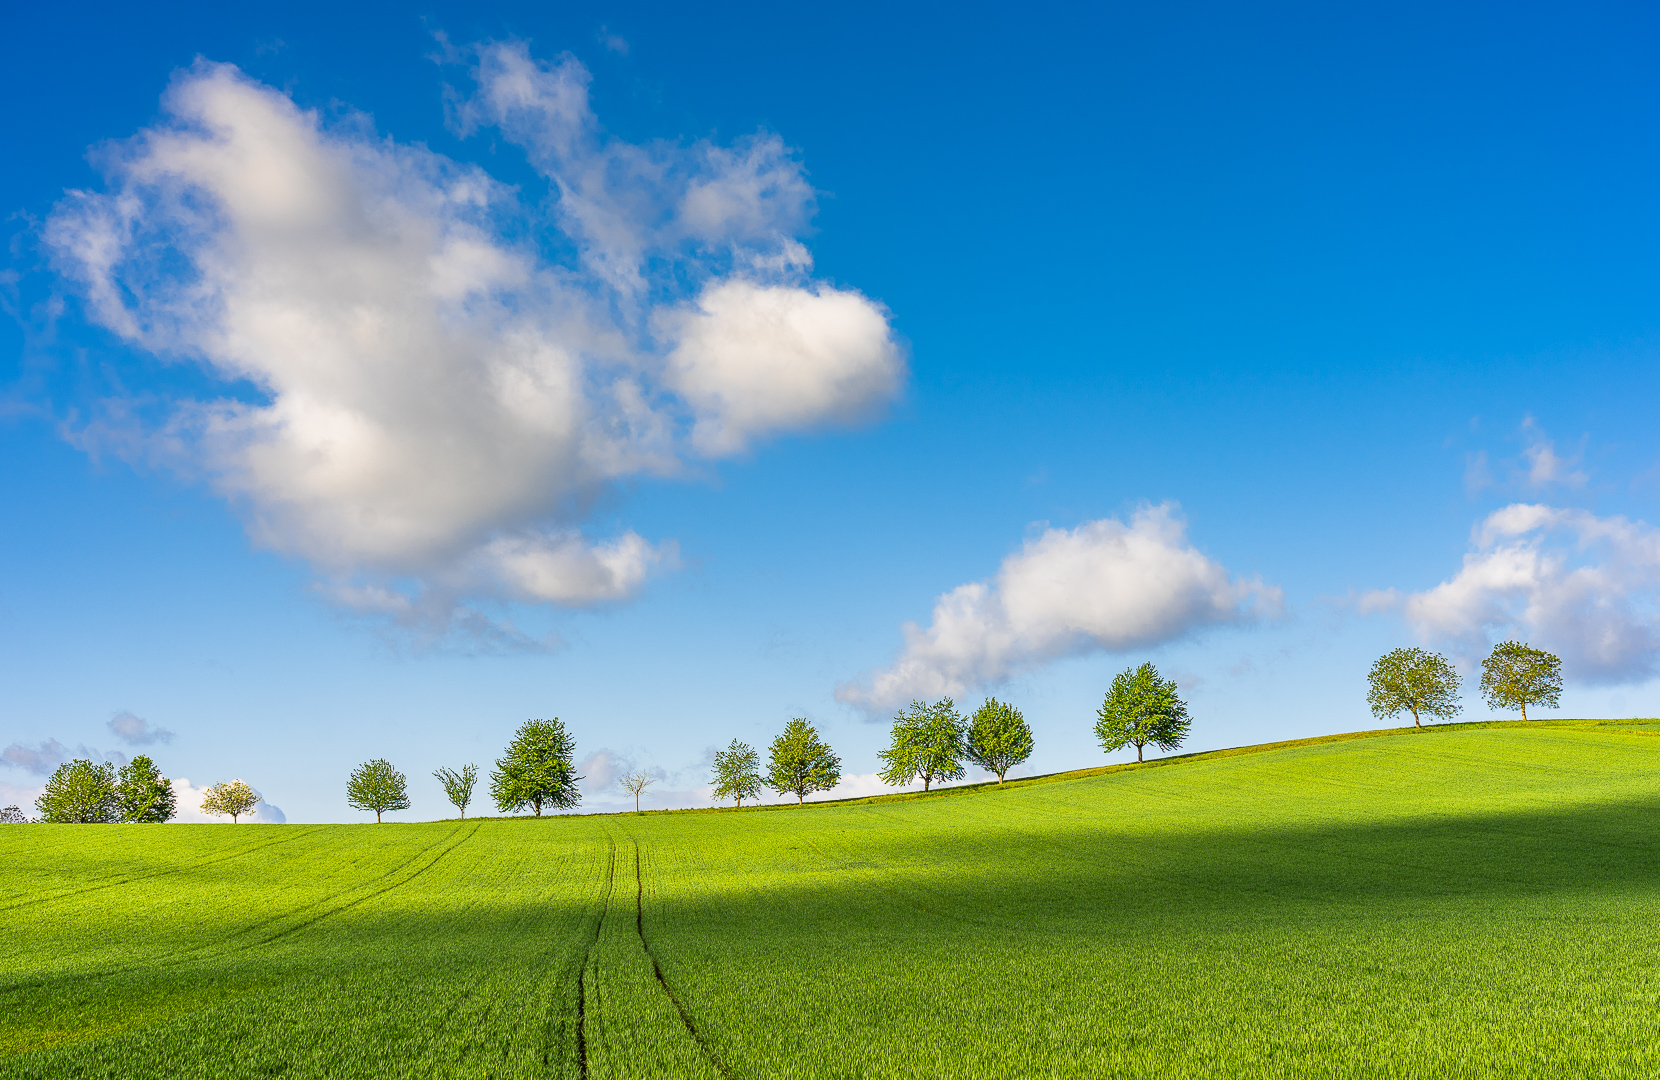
(1481, 900)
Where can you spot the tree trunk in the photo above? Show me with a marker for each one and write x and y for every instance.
(1524, 710)
(926, 780)
(1138, 752)
(234, 816)
(636, 802)
(537, 803)
(800, 798)
(1415, 721)
(377, 817)
(999, 778)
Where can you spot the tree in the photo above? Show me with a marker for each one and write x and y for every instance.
(801, 763)
(998, 738)
(537, 769)
(459, 785)
(637, 782)
(927, 741)
(1141, 708)
(13, 815)
(1416, 681)
(80, 793)
(1514, 676)
(376, 785)
(737, 773)
(232, 797)
(144, 794)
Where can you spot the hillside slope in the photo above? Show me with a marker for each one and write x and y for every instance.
(1481, 901)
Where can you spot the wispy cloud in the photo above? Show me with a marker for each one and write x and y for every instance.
(137, 731)
(1105, 586)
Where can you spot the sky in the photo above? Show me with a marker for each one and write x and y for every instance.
(376, 377)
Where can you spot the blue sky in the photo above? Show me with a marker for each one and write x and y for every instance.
(378, 378)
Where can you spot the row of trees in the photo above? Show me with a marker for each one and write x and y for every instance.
(930, 742)
(80, 792)
(1423, 683)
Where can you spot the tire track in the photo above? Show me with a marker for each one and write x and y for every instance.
(657, 970)
(582, 971)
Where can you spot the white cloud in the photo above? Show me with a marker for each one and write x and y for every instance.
(189, 806)
(1544, 466)
(1103, 586)
(1585, 587)
(413, 391)
(136, 731)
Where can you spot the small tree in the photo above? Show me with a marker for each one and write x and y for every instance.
(80, 793)
(376, 785)
(927, 741)
(13, 815)
(1141, 708)
(459, 785)
(538, 768)
(998, 738)
(1416, 681)
(737, 773)
(801, 763)
(637, 782)
(144, 794)
(1514, 676)
(232, 797)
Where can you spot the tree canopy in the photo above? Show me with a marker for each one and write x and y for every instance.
(1413, 680)
(1141, 709)
(801, 763)
(233, 797)
(376, 785)
(143, 793)
(926, 742)
(538, 769)
(737, 773)
(998, 738)
(80, 793)
(1515, 676)
(458, 786)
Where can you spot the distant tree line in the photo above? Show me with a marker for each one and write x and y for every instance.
(928, 741)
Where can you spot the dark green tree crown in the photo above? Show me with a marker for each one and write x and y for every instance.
(998, 738)
(801, 763)
(1142, 709)
(538, 769)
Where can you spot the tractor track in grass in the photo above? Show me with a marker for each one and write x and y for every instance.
(657, 970)
(582, 970)
(227, 948)
(152, 875)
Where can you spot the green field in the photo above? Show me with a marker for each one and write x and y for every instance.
(1482, 900)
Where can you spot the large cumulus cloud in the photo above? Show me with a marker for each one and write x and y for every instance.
(415, 396)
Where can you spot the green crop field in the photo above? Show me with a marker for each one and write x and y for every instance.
(1481, 900)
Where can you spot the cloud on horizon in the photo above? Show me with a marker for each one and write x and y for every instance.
(1102, 587)
(1582, 586)
(416, 399)
(44, 758)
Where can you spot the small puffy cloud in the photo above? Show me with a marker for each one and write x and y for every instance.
(601, 770)
(1104, 586)
(137, 731)
(753, 360)
(189, 807)
(415, 396)
(1582, 586)
(1544, 466)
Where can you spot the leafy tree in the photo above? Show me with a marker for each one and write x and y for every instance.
(998, 738)
(927, 741)
(801, 763)
(13, 815)
(232, 797)
(538, 768)
(80, 793)
(1142, 708)
(376, 785)
(637, 782)
(737, 773)
(144, 794)
(1514, 676)
(1416, 681)
(459, 785)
